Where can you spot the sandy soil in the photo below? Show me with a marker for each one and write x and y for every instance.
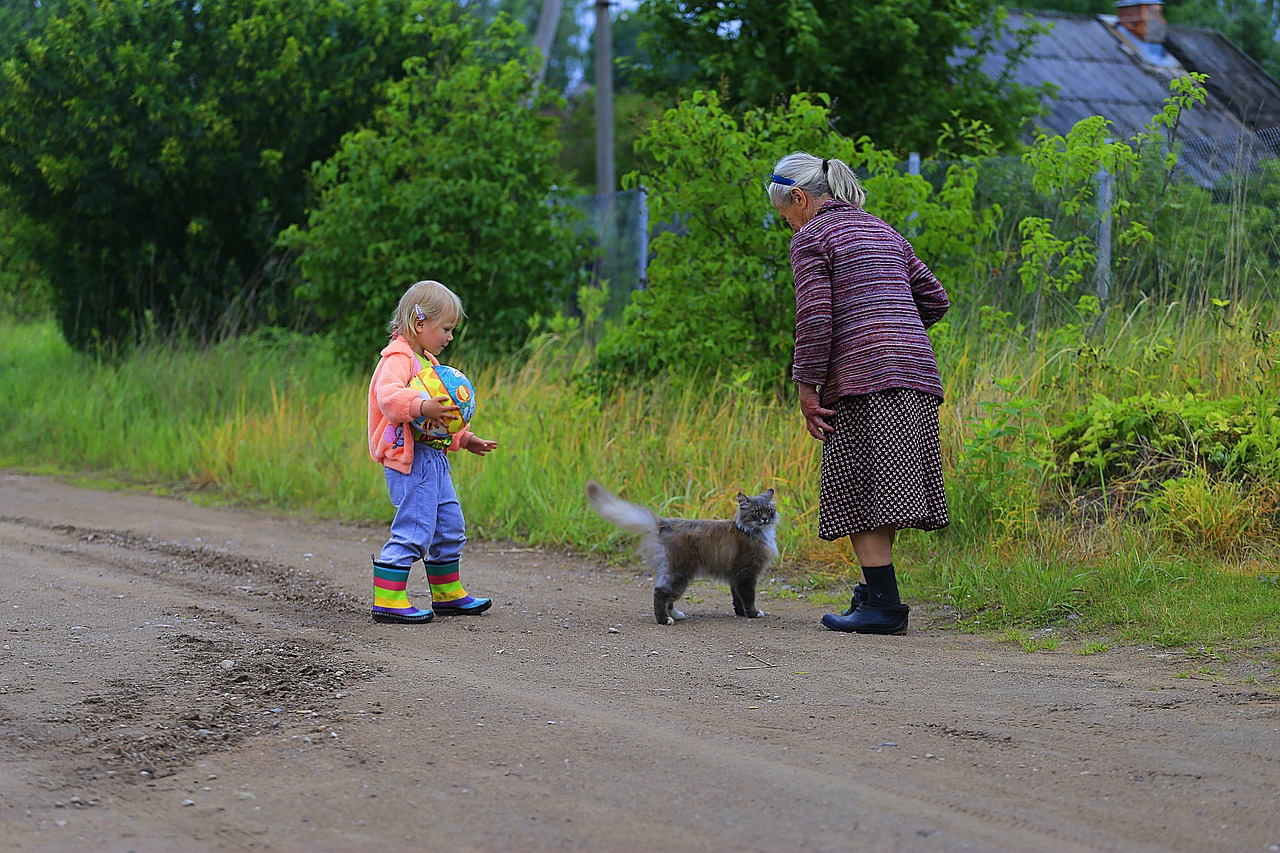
(175, 677)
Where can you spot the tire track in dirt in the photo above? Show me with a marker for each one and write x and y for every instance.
(199, 679)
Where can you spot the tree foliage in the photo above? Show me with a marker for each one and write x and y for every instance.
(895, 69)
(455, 180)
(569, 49)
(636, 69)
(161, 144)
(21, 20)
(720, 291)
(1074, 7)
(24, 291)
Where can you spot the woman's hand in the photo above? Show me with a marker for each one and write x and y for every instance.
(438, 411)
(814, 414)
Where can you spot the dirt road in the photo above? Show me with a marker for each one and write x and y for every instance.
(179, 678)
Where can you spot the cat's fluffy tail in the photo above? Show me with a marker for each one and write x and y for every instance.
(628, 516)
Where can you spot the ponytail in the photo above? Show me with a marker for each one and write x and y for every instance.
(817, 177)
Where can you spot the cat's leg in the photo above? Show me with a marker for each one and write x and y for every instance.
(665, 595)
(662, 609)
(744, 597)
(667, 589)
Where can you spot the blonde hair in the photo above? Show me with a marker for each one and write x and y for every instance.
(436, 302)
(817, 177)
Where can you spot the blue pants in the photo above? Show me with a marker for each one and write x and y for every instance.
(428, 524)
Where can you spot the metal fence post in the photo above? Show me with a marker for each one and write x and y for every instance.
(913, 168)
(1102, 275)
(642, 273)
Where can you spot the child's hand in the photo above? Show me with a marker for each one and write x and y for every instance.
(480, 446)
(438, 411)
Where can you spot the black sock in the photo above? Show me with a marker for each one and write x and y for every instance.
(882, 585)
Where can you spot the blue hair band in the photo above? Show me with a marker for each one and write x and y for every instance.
(778, 179)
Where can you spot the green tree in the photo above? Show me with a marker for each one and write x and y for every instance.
(455, 180)
(895, 69)
(720, 291)
(632, 115)
(635, 68)
(569, 50)
(24, 291)
(161, 145)
(23, 19)
(1076, 7)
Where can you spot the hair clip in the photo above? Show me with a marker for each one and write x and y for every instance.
(778, 179)
(417, 309)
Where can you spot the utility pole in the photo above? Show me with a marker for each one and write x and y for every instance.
(604, 99)
(545, 36)
(605, 229)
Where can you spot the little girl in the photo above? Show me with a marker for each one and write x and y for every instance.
(428, 524)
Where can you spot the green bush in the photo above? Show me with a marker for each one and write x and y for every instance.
(996, 487)
(1150, 438)
(24, 291)
(161, 145)
(1199, 507)
(720, 290)
(455, 180)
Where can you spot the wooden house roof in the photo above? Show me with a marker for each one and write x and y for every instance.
(1097, 67)
(1234, 78)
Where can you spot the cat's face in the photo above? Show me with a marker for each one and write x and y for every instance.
(756, 511)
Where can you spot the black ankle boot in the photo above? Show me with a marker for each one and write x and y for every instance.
(870, 618)
(859, 597)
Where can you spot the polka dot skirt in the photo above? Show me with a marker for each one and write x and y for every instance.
(882, 465)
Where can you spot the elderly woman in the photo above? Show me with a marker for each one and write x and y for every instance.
(868, 379)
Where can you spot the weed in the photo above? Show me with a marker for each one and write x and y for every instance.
(277, 424)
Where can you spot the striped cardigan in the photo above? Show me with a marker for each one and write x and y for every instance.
(863, 301)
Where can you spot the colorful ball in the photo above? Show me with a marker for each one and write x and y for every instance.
(440, 380)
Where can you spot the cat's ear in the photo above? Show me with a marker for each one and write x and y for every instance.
(769, 494)
(742, 497)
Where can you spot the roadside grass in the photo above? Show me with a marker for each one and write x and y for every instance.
(272, 421)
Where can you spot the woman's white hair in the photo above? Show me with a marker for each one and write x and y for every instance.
(817, 177)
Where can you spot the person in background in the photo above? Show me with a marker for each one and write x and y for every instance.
(869, 385)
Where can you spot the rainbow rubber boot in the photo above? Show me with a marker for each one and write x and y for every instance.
(447, 594)
(391, 601)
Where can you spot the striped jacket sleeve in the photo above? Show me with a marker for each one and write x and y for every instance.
(929, 295)
(811, 267)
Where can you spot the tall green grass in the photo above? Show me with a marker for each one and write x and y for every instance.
(274, 422)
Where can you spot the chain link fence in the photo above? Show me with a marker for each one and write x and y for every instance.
(1214, 220)
(617, 224)
(1215, 225)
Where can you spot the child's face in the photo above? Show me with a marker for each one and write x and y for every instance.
(433, 335)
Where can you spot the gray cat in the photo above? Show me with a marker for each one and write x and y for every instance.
(737, 550)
